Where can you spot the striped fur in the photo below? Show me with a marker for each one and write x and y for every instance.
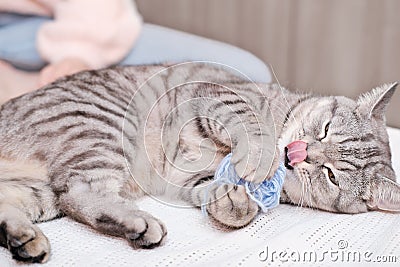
(89, 144)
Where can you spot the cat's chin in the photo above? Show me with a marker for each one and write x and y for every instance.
(292, 188)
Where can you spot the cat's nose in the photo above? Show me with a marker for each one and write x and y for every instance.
(296, 152)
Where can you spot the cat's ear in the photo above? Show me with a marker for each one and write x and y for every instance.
(385, 195)
(373, 104)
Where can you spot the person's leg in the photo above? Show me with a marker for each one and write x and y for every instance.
(19, 59)
(18, 45)
(158, 44)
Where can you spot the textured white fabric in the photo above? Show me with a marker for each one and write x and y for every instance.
(194, 241)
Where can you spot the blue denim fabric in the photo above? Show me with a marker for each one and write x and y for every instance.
(155, 44)
(158, 44)
(18, 40)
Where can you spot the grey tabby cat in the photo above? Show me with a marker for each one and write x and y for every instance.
(89, 144)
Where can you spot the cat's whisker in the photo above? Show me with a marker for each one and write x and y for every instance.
(306, 191)
(302, 194)
(277, 108)
(280, 86)
(301, 199)
(309, 201)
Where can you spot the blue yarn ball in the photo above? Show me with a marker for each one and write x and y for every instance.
(265, 194)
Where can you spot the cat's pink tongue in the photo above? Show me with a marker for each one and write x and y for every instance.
(296, 152)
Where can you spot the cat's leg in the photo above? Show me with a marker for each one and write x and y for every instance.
(249, 133)
(99, 192)
(25, 197)
(227, 204)
(110, 214)
(238, 126)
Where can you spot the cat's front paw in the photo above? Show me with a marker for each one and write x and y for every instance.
(231, 206)
(26, 242)
(257, 166)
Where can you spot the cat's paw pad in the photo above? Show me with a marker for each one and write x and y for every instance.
(231, 206)
(26, 243)
(147, 232)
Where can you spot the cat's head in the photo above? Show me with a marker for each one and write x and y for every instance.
(348, 166)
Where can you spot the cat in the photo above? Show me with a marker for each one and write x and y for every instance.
(90, 144)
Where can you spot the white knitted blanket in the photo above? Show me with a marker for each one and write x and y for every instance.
(285, 236)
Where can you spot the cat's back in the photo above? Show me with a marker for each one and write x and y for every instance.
(90, 104)
(84, 105)
(111, 87)
(106, 88)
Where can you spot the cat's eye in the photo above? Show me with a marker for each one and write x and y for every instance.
(331, 176)
(326, 129)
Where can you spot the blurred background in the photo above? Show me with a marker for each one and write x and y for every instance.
(330, 47)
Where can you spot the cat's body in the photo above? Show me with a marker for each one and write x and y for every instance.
(88, 145)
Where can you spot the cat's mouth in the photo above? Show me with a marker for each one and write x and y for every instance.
(295, 152)
(287, 165)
